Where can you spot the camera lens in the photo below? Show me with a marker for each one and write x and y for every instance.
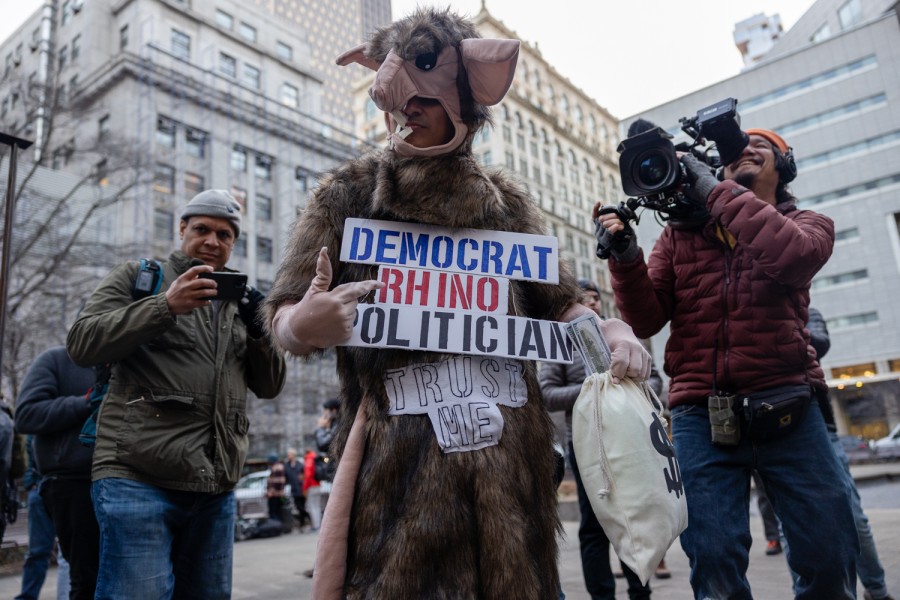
(652, 170)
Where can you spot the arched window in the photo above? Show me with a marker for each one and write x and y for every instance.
(504, 112)
(532, 130)
(519, 123)
(604, 133)
(550, 93)
(592, 124)
(579, 115)
(572, 160)
(544, 137)
(564, 103)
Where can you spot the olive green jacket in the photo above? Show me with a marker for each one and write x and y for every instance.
(175, 414)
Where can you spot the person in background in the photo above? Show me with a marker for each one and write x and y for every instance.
(293, 472)
(327, 425)
(560, 386)
(868, 566)
(767, 514)
(53, 407)
(312, 490)
(41, 537)
(275, 487)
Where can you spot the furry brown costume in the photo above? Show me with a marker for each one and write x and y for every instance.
(426, 524)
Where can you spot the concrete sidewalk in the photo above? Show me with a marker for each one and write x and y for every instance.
(272, 569)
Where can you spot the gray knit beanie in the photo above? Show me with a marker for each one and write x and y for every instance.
(215, 203)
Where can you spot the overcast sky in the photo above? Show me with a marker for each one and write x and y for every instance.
(629, 55)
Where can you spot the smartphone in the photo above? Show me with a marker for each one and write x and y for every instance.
(231, 286)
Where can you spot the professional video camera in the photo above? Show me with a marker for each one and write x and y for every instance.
(653, 176)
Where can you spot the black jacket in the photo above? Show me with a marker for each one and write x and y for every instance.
(53, 406)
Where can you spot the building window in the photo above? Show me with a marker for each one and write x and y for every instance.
(520, 142)
(103, 127)
(850, 13)
(164, 179)
(165, 131)
(67, 12)
(163, 225)
(305, 179)
(264, 250)
(510, 160)
(63, 52)
(263, 167)
(523, 167)
(849, 371)
(181, 45)
(251, 76)
(284, 51)
(486, 158)
(290, 95)
(263, 208)
(240, 195)
(240, 247)
(833, 280)
(227, 65)
(76, 47)
(507, 134)
(370, 109)
(193, 185)
(822, 33)
(123, 37)
(239, 159)
(248, 32)
(224, 20)
(195, 142)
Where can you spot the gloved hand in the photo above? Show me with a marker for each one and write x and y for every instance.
(621, 245)
(248, 309)
(629, 358)
(701, 179)
(323, 318)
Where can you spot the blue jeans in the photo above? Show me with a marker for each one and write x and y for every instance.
(158, 543)
(40, 545)
(868, 567)
(807, 488)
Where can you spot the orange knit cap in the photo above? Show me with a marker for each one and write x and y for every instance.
(775, 139)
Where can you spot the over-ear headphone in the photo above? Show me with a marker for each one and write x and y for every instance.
(786, 165)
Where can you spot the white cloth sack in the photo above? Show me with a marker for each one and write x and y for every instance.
(629, 470)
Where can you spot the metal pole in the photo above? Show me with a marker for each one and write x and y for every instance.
(14, 144)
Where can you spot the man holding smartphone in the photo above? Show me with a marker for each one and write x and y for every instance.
(172, 430)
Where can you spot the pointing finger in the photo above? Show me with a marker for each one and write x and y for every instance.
(351, 292)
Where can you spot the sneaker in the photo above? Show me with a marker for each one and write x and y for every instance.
(867, 595)
(662, 572)
(773, 548)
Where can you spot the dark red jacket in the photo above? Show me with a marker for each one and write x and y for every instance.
(739, 312)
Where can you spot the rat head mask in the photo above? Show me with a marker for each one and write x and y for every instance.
(436, 55)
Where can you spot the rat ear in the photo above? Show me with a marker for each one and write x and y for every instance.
(356, 55)
(490, 67)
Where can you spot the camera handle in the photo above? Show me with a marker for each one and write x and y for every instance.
(626, 214)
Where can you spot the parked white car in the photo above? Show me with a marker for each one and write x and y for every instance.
(888, 447)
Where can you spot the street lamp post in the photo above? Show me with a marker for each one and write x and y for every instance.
(14, 143)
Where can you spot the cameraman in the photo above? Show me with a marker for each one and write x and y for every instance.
(735, 290)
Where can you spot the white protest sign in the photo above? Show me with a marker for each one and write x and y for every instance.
(460, 332)
(441, 289)
(519, 256)
(460, 395)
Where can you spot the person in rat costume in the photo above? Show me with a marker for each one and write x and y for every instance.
(407, 520)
